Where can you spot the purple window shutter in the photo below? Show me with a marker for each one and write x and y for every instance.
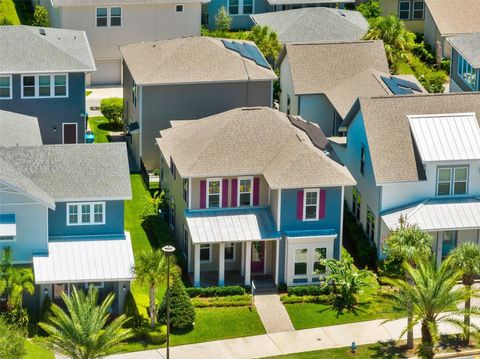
(256, 191)
(300, 205)
(203, 194)
(225, 193)
(321, 210)
(234, 192)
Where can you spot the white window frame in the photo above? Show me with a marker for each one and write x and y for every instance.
(63, 131)
(464, 70)
(208, 194)
(99, 286)
(232, 245)
(318, 275)
(370, 224)
(295, 262)
(109, 17)
(10, 88)
(240, 8)
(251, 190)
(452, 169)
(182, 8)
(209, 252)
(305, 191)
(409, 9)
(52, 86)
(413, 10)
(92, 213)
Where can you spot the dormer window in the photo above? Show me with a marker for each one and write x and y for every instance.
(452, 181)
(245, 191)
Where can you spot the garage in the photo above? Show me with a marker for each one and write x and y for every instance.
(108, 73)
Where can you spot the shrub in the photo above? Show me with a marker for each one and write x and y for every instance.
(229, 301)
(445, 65)
(215, 291)
(223, 20)
(308, 290)
(364, 253)
(182, 311)
(40, 17)
(433, 80)
(156, 337)
(130, 310)
(293, 299)
(370, 9)
(112, 109)
(12, 341)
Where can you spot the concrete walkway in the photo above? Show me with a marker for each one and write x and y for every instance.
(273, 314)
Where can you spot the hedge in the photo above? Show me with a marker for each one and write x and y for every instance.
(244, 300)
(294, 299)
(312, 290)
(215, 291)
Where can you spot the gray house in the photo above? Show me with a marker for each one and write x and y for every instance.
(42, 74)
(187, 79)
(465, 65)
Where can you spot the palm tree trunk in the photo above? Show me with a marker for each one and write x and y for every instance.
(427, 351)
(466, 317)
(152, 306)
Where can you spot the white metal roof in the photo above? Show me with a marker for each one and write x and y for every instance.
(438, 214)
(221, 226)
(448, 137)
(88, 260)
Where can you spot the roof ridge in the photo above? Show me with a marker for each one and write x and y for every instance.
(333, 42)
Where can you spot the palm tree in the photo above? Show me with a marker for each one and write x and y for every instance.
(397, 40)
(82, 333)
(14, 281)
(151, 270)
(267, 42)
(430, 297)
(408, 244)
(466, 259)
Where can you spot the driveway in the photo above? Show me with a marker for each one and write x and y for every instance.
(99, 93)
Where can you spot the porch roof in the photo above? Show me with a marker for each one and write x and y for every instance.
(106, 259)
(231, 225)
(438, 214)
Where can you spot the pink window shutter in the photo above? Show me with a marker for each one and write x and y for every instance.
(300, 205)
(203, 194)
(225, 193)
(234, 192)
(321, 210)
(256, 191)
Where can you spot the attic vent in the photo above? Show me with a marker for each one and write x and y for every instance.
(42, 32)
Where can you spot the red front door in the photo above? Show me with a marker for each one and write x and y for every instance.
(258, 257)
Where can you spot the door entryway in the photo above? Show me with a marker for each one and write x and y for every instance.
(69, 133)
(258, 257)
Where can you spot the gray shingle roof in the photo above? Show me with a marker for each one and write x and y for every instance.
(74, 172)
(468, 46)
(251, 141)
(19, 130)
(455, 16)
(23, 49)
(60, 3)
(190, 60)
(314, 24)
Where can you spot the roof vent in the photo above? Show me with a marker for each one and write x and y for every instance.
(42, 31)
(326, 153)
(341, 13)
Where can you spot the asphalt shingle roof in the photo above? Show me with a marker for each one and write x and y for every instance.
(74, 172)
(23, 49)
(468, 46)
(19, 130)
(314, 24)
(454, 17)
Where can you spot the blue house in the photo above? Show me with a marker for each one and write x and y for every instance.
(42, 74)
(253, 192)
(62, 212)
(465, 63)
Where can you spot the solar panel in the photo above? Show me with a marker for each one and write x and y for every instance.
(396, 90)
(247, 51)
(407, 84)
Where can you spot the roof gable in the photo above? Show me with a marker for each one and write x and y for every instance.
(455, 16)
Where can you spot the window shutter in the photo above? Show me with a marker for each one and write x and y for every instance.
(300, 205)
(225, 193)
(203, 194)
(256, 191)
(321, 210)
(234, 192)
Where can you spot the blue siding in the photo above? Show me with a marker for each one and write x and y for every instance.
(239, 22)
(52, 112)
(114, 223)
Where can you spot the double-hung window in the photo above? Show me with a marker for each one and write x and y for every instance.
(418, 10)
(247, 7)
(85, 213)
(452, 181)
(310, 204)
(205, 253)
(214, 192)
(230, 252)
(300, 262)
(319, 254)
(370, 225)
(44, 86)
(241, 7)
(5, 87)
(356, 203)
(404, 10)
(110, 16)
(233, 7)
(245, 191)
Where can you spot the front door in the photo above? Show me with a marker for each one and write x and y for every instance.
(69, 133)
(258, 257)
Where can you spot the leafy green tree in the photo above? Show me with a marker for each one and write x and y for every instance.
(82, 331)
(429, 296)
(40, 17)
(12, 341)
(151, 270)
(223, 20)
(370, 9)
(182, 311)
(408, 244)
(112, 109)
(14, 280)
(267, 41)
(466, 259)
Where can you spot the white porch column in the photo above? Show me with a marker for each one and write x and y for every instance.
(248, 260)
(242, 260)
(196, 267)
(221, 264)
(277, 253)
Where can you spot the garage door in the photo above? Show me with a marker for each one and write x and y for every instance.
(108, 73)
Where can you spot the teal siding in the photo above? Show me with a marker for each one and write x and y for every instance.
(239, 22)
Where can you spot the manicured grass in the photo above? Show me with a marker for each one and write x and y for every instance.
(36, 351)
(404, 69)
(99, 126)
(8, 12)
(16, 11)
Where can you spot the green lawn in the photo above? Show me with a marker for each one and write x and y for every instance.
(16, 11)
(36, 351)
(100, 127)
(405, 69)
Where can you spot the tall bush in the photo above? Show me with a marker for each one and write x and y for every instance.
(12, 341)
(130, 309)
(223, 20)
(370, 9)
(40, 17)
(182, 311)
(112, 109)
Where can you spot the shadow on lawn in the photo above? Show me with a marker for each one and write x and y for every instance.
(107, 126)
(390, 349)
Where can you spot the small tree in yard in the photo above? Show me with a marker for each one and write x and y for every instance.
(182, 311)
(223, 20)
(112, 110)
(40, 17)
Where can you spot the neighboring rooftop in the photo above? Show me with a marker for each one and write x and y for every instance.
(67, 172)
(454, 17)
(189, 60)
(314, 24)
(29, 49)
(394, 155)
(60, 3)
(468, 46)
(19, 130)
(303, 2)
(251, 141)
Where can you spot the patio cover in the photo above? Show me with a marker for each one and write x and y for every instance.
(438, 214)
(105, 259)
(231, 225)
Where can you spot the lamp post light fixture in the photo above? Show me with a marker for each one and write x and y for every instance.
(168, 250)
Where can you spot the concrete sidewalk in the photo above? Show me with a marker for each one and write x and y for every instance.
(289, 342)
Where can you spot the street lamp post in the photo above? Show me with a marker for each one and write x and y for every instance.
(168, 250)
